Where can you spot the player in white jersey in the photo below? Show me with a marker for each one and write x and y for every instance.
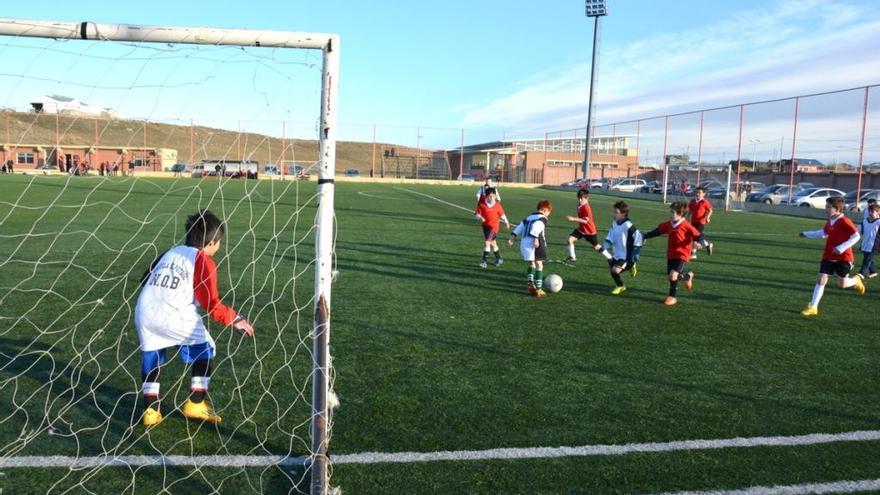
(624, 241)
(533, 246)
(166, 316)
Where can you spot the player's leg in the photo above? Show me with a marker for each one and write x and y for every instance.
(593, 239)
(572, 239)
(530, 275)
(673, 269)
(616, 267)
(151, 363)
(539, 277)
(845, 281)
(825, 269)
(488, 237)
(695, 245)
(498, 260)
(200, 357)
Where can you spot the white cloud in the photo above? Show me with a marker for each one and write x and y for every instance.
(790, 48)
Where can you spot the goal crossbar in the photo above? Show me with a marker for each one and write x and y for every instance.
(162, 34)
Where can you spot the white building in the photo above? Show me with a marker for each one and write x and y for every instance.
(69, 106)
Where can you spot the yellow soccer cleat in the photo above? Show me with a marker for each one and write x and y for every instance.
(151, 417)
(860, 286)
(810, 311)
(634, 270)
(201, 411)
(618, 290)
(540, 293)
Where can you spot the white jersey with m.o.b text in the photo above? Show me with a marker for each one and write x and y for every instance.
(166, 313)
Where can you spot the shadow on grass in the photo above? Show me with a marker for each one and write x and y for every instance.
(638, 379)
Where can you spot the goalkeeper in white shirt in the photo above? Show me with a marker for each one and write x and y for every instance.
(166, 315)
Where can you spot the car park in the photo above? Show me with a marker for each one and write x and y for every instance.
(467, 177)
(850, 203)
(812, 198)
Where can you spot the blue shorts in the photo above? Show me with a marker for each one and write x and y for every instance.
(188, 354)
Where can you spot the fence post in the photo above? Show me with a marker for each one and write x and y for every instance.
(700, 150)
(739, 150)
(793, 164)
(862, 146)
(663, 156)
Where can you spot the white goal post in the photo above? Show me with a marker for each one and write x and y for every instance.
(329, 45)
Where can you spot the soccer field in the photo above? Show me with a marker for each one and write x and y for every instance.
(432, 354)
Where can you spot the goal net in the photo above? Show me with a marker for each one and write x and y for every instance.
(110, 137)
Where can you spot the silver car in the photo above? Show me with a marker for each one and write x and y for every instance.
(773, 195)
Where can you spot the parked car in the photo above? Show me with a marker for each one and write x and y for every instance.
(772, 195)
(271, 169)
(599, 184)
(850, 202)
(812, 198)
(467, 177)
(577, 183)
(651, 187)
(180, 168)
(806, 185)
(352, 172)
(298, 172)
(627, 185)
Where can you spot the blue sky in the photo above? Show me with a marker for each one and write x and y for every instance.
(511, 67)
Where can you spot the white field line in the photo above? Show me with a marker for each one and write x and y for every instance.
(435, 199)
(457, 455)
(810, 488)
(709, 234)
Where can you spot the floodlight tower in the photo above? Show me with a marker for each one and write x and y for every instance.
(594, 9)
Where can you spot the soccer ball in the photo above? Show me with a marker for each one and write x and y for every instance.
(553, 283)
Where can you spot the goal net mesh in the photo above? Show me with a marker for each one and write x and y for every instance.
(111, 146)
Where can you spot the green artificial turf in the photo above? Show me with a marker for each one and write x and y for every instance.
(431, 352)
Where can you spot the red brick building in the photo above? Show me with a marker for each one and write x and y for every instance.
(545, 161)
(67, 157)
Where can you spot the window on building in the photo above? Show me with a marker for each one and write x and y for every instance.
(24, 158)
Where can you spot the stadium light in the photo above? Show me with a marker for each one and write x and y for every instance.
(594, 9)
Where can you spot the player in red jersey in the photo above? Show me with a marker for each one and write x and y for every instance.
(699, 214)
(840, 235)
(586, 228)
(682, 235)
(491, 214)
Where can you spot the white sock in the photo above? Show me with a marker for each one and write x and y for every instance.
(571, 251)
(848, 282)
(151, 388)
(606, 254)
(200, 383)
(818, 290)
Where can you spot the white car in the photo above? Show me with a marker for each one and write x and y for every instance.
(812, 198)
(628, 185)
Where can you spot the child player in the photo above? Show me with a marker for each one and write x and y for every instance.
(166, 316)
(533, 245)
(586, 229)
(699, 213)
(869, 231)
(481, 192)
(840, 235)
(491, 214)
(682, 236)
(625, 242)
